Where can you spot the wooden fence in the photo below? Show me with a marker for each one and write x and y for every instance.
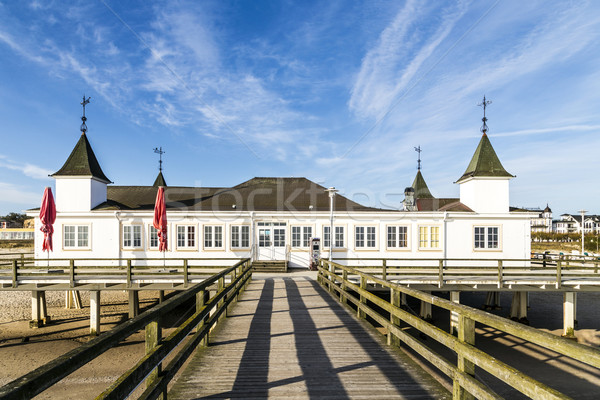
(340, 280)
(149, 368)
(25, 273)
(499, 272)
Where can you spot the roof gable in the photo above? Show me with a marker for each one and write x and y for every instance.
(82, 162)
(160, 180)
(421, 189)
(485, 162)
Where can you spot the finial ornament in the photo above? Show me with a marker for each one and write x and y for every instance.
(418, 150)
(83, 127)
(160, 152)
(484, 104)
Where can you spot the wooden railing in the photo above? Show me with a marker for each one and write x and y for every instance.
(341, 281)
(440, 271)
(208, 313)
(65, 273)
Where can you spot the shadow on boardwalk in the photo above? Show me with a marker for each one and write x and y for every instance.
(287, 338)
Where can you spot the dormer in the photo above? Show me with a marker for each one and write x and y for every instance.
(484, 186)
(80, 183)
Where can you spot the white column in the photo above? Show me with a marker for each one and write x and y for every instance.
(569, 304)
(94, 312)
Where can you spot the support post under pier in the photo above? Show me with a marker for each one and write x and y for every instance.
(134, 303)
(94, 312)
(569, 310)
(425, 311)
(39, 312)
(518, 307)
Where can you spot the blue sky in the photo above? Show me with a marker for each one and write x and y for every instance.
(339, 92)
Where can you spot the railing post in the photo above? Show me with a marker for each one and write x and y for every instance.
(14, 273)
(559, 273)
(500, 273)
(363, 299)
(384, 270)
(153, 336)
(71, 273)
(220, 287)
(22, 260)
(200, 300)
(466, 334)
(128, 273)
(185, 273)
(441, 273)
(343, 298)
(392, 339)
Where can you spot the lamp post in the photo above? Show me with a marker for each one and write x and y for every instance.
(332, 191)
(582, 212)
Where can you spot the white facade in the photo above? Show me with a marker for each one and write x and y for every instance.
(77, 194)
(485, 194)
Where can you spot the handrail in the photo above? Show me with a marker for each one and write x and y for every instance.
(463, 345)
(58, 272)
(45, 376)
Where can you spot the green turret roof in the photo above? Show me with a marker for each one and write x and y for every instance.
(82, 162)
(160, 180)
(421, 189)
(485, 162)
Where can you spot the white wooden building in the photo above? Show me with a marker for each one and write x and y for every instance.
(274, 218)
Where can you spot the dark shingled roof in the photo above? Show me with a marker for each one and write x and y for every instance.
(421, 189)
(82, 162)
(446, 204)
(160, 180)
(257, 194)
(485, 162)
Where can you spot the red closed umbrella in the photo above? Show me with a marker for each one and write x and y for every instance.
(160, 218)
(47, 218)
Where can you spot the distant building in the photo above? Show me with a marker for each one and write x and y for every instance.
(16, 234)
(571, 223)
(543, 222)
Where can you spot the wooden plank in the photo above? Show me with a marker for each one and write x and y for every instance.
(289, 338)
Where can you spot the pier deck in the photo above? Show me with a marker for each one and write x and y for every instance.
(288, 338)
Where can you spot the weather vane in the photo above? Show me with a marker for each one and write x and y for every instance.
(484, 104)
(83, 127)
(160, 152)
(418, 150)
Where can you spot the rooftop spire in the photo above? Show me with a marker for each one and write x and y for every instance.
(484, 104)
(418, 150)
(83, 127)
(160, 152)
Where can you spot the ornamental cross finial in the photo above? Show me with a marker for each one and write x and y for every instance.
(484, 104)
(83, 127)
(160, 152)
(418, 150)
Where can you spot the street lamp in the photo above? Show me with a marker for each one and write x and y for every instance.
(332, 191)
(582, 212)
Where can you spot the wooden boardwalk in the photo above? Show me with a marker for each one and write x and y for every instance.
(288, 338)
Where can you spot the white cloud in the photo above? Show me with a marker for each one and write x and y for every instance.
(30, 170)
(19, 195)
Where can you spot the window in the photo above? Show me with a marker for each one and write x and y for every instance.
(132, 236)
(186, 236)
(240, 236)
(76, 236)
(365, 237)
(153, 237)
(301, 236)
(397, 237)
(213, 236)
(429, 237)
(338, 238)
(486, 237)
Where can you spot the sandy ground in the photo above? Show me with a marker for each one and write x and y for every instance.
(23, 349)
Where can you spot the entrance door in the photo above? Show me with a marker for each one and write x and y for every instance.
(271, 240)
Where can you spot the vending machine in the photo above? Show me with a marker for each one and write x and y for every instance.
(315, 253)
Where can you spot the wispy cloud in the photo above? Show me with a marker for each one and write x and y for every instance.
(16, 194)
(27, 169)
